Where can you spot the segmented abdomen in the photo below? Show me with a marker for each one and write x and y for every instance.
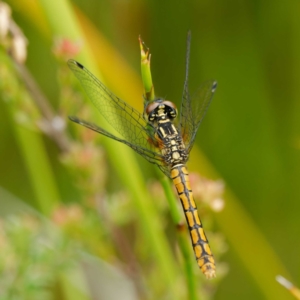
(204, 257)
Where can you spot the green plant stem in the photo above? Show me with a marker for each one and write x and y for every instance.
(146, 73)
(39, 168)
(32, 148)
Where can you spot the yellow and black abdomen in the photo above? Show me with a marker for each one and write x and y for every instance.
(204, 257)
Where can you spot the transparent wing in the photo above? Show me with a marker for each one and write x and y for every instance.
(137, 133)
(124, 118)
(193, 110)
(151, 156)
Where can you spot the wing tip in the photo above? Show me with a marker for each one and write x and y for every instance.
(214, 86)
(74, 119)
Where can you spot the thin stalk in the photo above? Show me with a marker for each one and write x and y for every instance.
(59, 136)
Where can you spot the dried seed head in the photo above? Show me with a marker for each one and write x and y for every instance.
(5, 13)
(19, 48)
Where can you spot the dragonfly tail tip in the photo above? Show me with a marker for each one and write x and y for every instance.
(209, 274)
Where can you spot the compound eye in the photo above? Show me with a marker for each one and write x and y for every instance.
(150, 108)
(170, 104)
(172, 109)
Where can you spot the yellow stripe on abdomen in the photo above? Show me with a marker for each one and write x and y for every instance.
(204, 257)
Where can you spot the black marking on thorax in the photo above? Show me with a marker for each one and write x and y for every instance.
(166, 129)
(173, 147)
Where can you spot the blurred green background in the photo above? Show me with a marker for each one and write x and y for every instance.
(249, 137)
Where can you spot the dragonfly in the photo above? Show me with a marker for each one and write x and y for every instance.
(156, 136)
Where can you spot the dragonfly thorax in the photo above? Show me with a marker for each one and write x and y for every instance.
(161, 114)
(160, 110)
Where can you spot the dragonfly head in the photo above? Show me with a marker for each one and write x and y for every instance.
(160, 110)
